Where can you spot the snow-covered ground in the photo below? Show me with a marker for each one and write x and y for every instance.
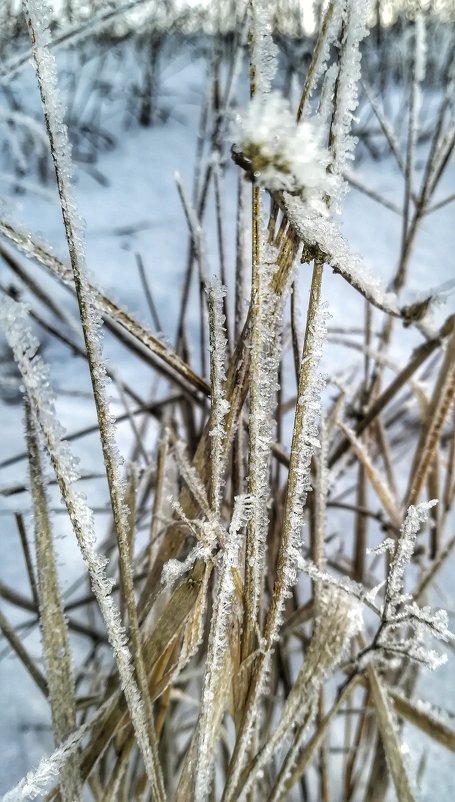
(140, 212)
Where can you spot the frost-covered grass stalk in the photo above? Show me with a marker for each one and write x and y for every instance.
(265, 359)
(56, 645)
(35, 377)
(232, 638)
(220, 406)
(218, 665)
(265, 336)
(37, 15)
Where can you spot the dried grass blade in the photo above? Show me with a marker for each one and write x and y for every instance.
(382, 491)
(309, 752)
(27, 556)
(266, 321)
(127, 583)
(389, 736)
(337, 623)
(215, 695)
(55, 639)
(440, 403)
(426, 721)
(35, 377)
(303, 444)
(15, 642)
(136, 695)
(219, 404)
(106, 306)
(165, 633)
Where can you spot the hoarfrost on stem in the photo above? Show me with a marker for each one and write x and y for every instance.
(290, 559)
(217, 662)
(38, 19)
(264, 50)
(266, 346)
(400, 612)
(355, 28)
(331, 37)
(404, 550)
(338, 622)
(325, 235)
(305, 442)
(220, 406)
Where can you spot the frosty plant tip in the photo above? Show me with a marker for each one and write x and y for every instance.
(284, 154)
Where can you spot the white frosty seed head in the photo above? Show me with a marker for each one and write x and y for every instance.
(284, 154)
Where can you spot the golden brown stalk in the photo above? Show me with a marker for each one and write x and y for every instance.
(381, 489)
(335, 626)
(56, 644)
(9, 632)
(310, 750)
(389, 736)
(424, 719)
(107, 307)
(440, 404)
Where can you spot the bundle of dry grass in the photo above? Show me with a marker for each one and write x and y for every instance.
(241, 637)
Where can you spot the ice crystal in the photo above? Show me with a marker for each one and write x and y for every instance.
(347, 585)
(264, 51)
(173, 570)
(355, 29)
(207, 535)
(388, 545)
(405, 549)
(331, 38)
(193, 481)
(325, 109)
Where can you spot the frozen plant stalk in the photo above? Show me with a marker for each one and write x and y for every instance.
(264, 51)
(355, 28)
(339, 621)
(217, 661)
(266, 312)
(290, 560)
(37, 15)
(54, 630)
(220, 406)
(35, 375)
